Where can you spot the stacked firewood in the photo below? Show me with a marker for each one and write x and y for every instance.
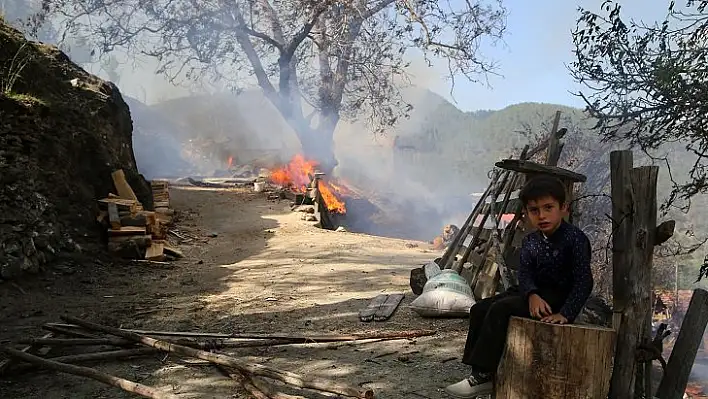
(204, 346)
(134, 233)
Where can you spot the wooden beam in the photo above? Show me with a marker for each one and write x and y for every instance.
(634, 221)
(122, 186)
(678, 369)
(553, 152)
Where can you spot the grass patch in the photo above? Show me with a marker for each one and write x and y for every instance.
(25, 98)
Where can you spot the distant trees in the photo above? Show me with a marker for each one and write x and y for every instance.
(648, 83)
(316, 61)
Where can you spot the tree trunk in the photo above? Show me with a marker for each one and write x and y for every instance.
(318, 144)
(550, 361)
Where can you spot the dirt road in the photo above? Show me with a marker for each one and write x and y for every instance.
(256, 268)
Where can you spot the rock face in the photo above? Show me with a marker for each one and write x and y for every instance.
(62, 133)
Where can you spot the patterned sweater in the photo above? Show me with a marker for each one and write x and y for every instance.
(559, 263)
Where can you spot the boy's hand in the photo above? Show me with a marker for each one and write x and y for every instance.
(538, 307)
(555, 319)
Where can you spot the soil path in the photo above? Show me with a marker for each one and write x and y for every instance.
(256, 268)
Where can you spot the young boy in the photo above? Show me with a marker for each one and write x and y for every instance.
(554, 282)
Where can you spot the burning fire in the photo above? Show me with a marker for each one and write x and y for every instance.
(230, 162)
(298, 173)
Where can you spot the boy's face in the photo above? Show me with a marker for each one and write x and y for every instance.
(545, 214)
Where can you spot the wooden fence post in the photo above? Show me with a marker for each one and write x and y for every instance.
(678, 369)
(634, 227)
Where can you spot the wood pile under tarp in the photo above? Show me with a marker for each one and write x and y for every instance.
(133, 232)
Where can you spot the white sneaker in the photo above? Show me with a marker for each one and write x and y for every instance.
(475, 385)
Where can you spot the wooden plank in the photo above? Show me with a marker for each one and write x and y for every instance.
(683, 355)
(449, 255)
(529, 167)
(122, 186)
(634, 225)
(475, 238)
(168, 250)
(127, 231)
(385, 311)
(155, 251)
(367, 314)
(113, 217)
(549, 361)
(121, 203)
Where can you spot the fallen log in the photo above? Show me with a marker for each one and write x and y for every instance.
(228, 361)
(255, 387)
(126, 385)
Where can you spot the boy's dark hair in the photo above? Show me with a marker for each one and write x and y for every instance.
(542, 186)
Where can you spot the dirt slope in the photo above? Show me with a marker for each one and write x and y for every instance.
(62, 133)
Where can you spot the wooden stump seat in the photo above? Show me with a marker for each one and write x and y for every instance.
(550, 361)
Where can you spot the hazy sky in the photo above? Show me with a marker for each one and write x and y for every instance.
(536, 49)
(532, 58)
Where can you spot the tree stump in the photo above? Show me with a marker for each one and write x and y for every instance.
(555, 362)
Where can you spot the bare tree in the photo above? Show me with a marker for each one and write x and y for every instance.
(648, 84)
(317, 61)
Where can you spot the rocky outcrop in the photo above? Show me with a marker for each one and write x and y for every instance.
(62, 132)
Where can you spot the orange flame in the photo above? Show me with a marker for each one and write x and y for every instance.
(230, 162)
(298, 173)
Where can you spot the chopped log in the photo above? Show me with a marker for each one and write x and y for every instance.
(113, 217)
(122, 186)
(528, 167)
(552, 361)
(162, 204)
(155, 251)
(683, 355)
(127, 231)
(228, 361)
(634, 211)
(129, 386)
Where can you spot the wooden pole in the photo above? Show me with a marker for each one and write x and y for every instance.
(130, 386)
(678, 369)
(634, 227)
(553, 153)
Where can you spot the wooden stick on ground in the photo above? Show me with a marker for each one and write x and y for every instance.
(92, 357)
(281, 337)
(76, 341)
(70, 332)
(228, 361)
(28, 349)
(124, 384)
